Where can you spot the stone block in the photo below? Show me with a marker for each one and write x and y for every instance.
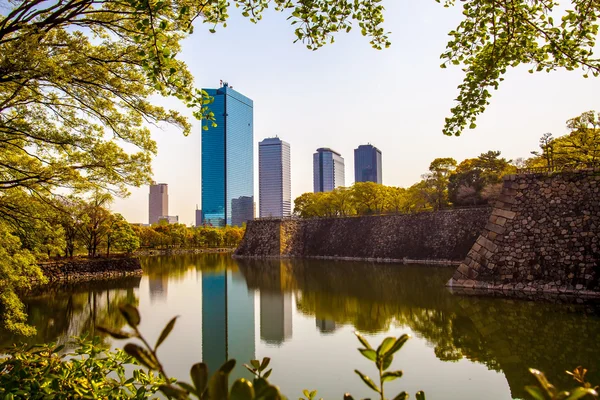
(503, 213)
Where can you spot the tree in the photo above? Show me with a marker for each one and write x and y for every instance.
(547, 147)
(121, 235)
(94, 222)
(17, 270)
(436, 181)
(579, 148)
(472, 176)
(495, 36)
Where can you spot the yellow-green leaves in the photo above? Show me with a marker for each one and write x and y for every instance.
(382, 357)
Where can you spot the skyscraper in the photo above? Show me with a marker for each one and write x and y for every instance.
(158, 202)
(367, 164)
(274, 178)
(328, 170)
(227, 159)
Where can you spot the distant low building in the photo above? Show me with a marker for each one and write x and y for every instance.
(171, 219)
(242, 210)
(199, 221)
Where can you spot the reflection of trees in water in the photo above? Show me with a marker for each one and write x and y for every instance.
(66, 311)
(502, 334)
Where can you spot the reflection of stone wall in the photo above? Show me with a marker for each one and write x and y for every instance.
(543, 235)
(522, 335)
(442, 236)
(82, 269)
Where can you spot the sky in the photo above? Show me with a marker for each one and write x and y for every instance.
(347, 93)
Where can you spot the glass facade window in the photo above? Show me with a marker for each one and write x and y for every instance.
(367, 164)
(328, 170)
(274, 178)
(228, 159)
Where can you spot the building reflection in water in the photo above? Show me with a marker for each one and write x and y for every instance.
(325, 326)
(159, 287)
(227, 321)
(275, 317)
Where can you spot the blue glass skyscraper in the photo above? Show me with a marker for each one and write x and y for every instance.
(227, 159)
(367, 164)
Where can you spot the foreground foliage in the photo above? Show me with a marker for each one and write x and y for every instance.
(89, 372)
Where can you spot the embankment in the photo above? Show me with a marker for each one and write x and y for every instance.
(543, 236)
(87, 269)
(438, 237)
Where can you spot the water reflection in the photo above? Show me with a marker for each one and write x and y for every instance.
(227, 320)
(302, 303)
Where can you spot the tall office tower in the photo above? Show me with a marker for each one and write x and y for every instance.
(367, 164)
(274, 178)
(158, 202)
(227, 158)
(328, 170)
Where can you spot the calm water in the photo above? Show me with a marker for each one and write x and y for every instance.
(302, 315)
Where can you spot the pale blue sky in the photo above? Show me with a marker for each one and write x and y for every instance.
(348, 94)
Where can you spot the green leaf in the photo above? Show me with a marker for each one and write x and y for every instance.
(367, 381)
(255, 364)
(173, 392)
(218, 386)
(535, 392)
(390, 376)
(420, 395)
(267, 374)
(131, 314)
(387, 361)
(228, 366)
(199, 374)
(543, 381)
(370, 354)
(142, 355)
(401, 396)
(363, 340)
(187, 387)
(264, 364)
(581, 392)
(306, 393)
(165, 332)
(386, 345)
(242, 390)
(398, 344)
(115, 334)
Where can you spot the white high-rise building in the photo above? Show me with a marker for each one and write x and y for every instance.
(328, 170)
(274, 178)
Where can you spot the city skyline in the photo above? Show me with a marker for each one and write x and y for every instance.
(227, 182)
(329, 108)
(274, 175)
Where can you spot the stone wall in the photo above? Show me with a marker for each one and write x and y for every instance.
(444, 236)
(543, 235)
(84, 269)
